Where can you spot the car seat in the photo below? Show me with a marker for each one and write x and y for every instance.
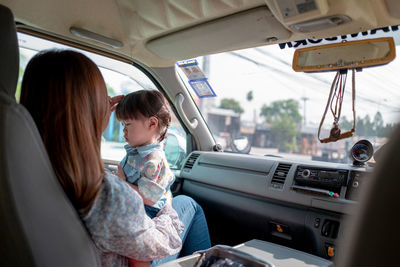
(38, 224)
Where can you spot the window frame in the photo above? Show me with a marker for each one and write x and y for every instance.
(24, 29)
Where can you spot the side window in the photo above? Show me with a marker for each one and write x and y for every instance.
(120, 78)
(113, 140)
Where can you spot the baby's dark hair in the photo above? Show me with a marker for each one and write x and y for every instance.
(147, 103)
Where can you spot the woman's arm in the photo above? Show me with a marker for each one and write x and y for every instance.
(119, 224)
(146, 201)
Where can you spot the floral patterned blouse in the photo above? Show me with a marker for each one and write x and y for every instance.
(147, 167)
(120, 228)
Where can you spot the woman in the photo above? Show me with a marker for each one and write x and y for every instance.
(66, 95)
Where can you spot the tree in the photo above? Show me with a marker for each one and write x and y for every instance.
(360, 127)
(378, 121)
(249, 96)
(282, 109)
(232, 104)
(110, 90)
(378, 124)
(369, 126)
(366, 127)
(345, 124)
(285, 119)
(387, 130)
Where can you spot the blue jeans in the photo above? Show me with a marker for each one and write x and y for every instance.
(151, 211)
(196, 236)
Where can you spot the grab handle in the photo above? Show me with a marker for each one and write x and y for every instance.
(179, 98)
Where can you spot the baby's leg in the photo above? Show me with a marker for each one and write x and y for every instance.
(135, 263)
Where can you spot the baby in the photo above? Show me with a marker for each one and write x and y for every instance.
(146, 118)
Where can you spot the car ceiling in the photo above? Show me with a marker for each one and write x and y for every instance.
(160, 32)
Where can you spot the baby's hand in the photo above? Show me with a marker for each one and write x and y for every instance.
(120, 173)
(169, 198)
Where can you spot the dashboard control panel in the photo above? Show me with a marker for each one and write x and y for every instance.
(319, 177)
(356, 180)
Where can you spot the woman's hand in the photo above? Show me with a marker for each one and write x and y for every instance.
(114, 102)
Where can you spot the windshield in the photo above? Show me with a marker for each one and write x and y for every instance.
(262, 101)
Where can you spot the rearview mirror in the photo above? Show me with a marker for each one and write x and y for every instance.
(345, 55)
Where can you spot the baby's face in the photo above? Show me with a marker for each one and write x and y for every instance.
(136, 132)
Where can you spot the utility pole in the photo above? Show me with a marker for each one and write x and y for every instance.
(203, 103)
(305, 99)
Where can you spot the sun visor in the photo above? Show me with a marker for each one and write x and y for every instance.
(241, 30)
(393, 7)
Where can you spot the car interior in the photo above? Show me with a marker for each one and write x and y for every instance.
(285, 211)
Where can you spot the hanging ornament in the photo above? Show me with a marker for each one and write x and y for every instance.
(334, 103)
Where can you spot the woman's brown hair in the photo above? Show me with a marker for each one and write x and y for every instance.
(66, 95)
(147, 103)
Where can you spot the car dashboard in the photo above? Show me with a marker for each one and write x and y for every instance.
(299, 204)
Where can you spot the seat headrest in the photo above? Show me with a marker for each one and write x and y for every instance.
(370, 237)
(9, 53)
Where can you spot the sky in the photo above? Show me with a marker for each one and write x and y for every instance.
(267, 72)
(272, 78)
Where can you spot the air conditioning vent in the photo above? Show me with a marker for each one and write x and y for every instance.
(280, 175)
(191, 160)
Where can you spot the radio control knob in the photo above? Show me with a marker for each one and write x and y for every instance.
(305, 173)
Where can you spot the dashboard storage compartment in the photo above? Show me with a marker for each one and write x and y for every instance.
(228, 256)
(254, 253)
(220, 255)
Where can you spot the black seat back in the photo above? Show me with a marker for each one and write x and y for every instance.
(38, 225)
(371, 237)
